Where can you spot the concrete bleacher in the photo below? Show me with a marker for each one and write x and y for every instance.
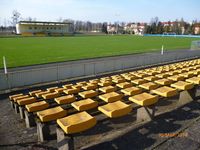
(71, 105)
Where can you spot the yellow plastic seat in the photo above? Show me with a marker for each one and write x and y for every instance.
(51, 114)
(37, 106)
(151, 78)
(132, 72)
(77, 122)
(115, 109)
(105, 83)
(194, 80)
(197, 67)
(15, 99)
(139, 75)
(105, 78)
(85, 104)
(90, 86)
(65, 99)
(188, 69)
(116, 76)
(77, 87)
(163, 81)
(59, 90)
(82, 83)
(165, 91)
(111, 97)
(39, 94)
(52, 89)
(130, 77)
(159, 71)
(150, 72)
(195, 72)
(162, 75)
(26, 101)
(88, 94)
(180, 71)
(124, 85)
(181, 85)
(144, 99)
(139, 81)
(124, 74)
(149, 86)
(32, 93)
(108, 78)
(67, 86)
(176, 78)
(118, 80)
(108, 89)
(131, 91)
(94, 81)
(171, 73)
(72, 91)
(187, 74)
(14, 96)
(50, 95)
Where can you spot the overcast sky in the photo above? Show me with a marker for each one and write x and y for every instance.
(102, 10)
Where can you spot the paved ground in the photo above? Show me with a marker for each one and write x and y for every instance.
(178, 129)
(121, 133)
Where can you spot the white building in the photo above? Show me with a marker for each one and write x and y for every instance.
(111, 29)
(39, 28)
(135, 28)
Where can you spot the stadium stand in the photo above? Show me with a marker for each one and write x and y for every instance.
(71, 106)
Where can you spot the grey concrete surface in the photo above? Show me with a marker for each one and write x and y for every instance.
(111, 134)
(185, 120)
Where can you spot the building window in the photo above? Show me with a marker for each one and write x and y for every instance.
(30, 28)
(47, 28)
(35, 28)
(51, 28)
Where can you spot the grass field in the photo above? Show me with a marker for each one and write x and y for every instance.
(39, 50)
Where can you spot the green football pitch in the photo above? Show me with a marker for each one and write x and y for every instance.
(39, 50)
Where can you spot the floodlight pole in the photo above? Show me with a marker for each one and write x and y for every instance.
(162, 50)
(5, 71)
(4, 64)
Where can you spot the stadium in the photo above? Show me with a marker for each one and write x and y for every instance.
(66, 86)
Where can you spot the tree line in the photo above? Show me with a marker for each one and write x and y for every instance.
(154, 27)
(174, 27)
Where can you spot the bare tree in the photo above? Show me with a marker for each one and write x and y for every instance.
(154, 23)
(15, 18)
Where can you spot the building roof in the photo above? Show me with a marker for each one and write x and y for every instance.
(197, 25)
(43, 23)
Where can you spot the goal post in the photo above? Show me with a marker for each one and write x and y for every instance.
(195, 45)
